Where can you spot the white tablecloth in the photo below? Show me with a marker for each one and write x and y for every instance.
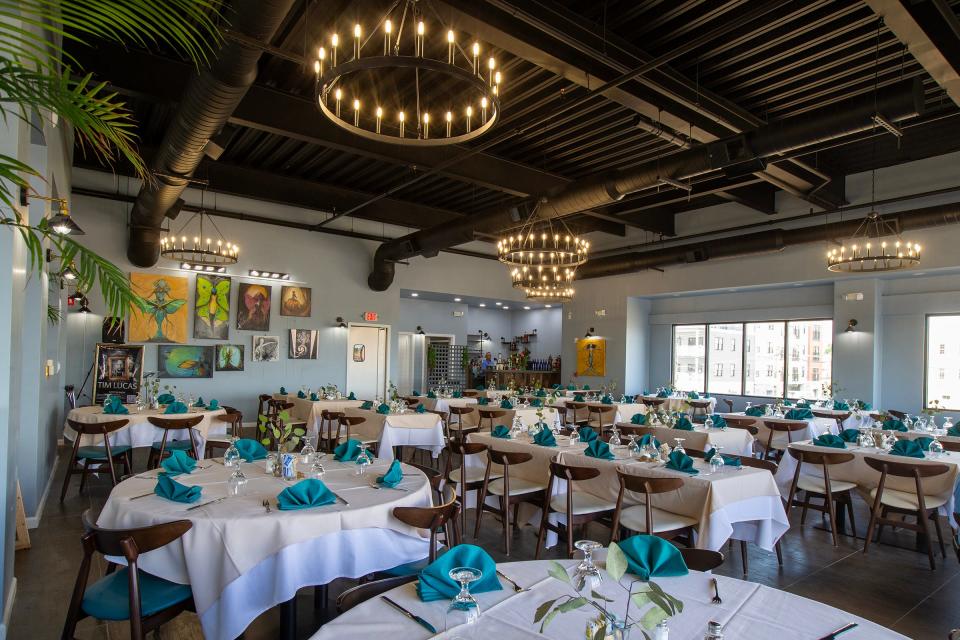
(139, 432)
(736, 441)
(420, 430)
(749, 611)
(309, 411)
(624, 411)
(240, 560)
(815, 427)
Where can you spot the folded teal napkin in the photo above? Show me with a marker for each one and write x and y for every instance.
(431, 395)
(730, 461)
(683, 423)
(165, 398)
(420, 408)
(638, 418)
(787, 402)
(587, 434)
(908, 448)
(754, 412)
(383, 409)
(571, 387)
(679, 461)
(718, 421)
(577, 397)
(545, 438)
(894, 424)
(840, 406)
(864, 406)
(435, 582)
(314, 397)
(393, 476)
(176, 407)
(200, 404)
(506, 404)
(536, 402)
(302, 395)
(850, 435)
(663, 394)
(652, 557)
(830, 440)
(647, 439)
(606, 400)
(456, 394)
(803, 405)
(693, 395)
(415, 393)
(178, 462)
(501, 431)
(645, 392)
(629, 399)
(213, 405)
(799, 414)
(170, 489)
(352, 396)
(599, 449)
(540, 393)
(556, 386)
(479, 387)
(586, 387)
(347, 451)
(501, 388)
(115, 406)
(924, 442)
(954, 431)
(367, 405)
(305, 494)
(483, 401)
(250, 449)
(283, 391)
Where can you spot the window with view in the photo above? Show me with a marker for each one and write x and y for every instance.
(943, 362)
(723, 357)
(689, 356)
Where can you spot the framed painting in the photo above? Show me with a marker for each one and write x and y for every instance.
(265, 349)
(229, 357)
(304, 344)
(592, 357)
(359, 353)
(295, 301)
(185, 361)
(118, 371)
(253, 307)
(163, 317)
(112, 330)
(211, 307)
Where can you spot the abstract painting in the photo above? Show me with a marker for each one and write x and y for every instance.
(211, 307)
(253, 307)
(266, 349)
(229, 357)
(119, 371)
(185, 361)
(163, 315)
(359, 353)
(304, 344)
(295, 301)
(592, 357)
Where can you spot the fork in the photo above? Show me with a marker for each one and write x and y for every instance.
(266, 505)
(716, 592)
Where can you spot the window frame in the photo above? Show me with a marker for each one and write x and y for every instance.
(926, 356)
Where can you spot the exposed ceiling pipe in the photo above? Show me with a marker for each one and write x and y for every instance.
(736, 154)
(210, 98)
(762, 242)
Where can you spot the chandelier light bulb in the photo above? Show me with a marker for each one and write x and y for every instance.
(426, 126)
(388, 26)
(449, 119)
(475, 49)
(496, 78)
(316, 67)
(334, 43)
(420, 28)
(356, 30)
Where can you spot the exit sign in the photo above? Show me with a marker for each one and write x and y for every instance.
(371, 316)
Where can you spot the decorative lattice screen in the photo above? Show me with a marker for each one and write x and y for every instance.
(449, 366)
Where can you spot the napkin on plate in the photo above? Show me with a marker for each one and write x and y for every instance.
(393, 476)
(571, 387)
(352, 396)
(598, 449)
(115, 406)
(367, 404)
(663, 394)
(787, 402)
(178, 462)
(652, 557)
(606, 400)
(864, 406)
(647, 439)
(200, 404)
(420, 408)
(754, 412)
(305, 494)
(415, 393)
(545, 438)
(683, 423)
(799, 414)
(908, 448)
(165, 398)
(536, 403)
(730, 461)
(383, 409)
(176, 407)
(840, 406)
(213, 405)
(638, 418)
(718, 421)
(578, 397)
(803, 405)
(501, 431)
(954, 431)
(894, 424)
(347, 451)
(681, 462)
(301, 394)
(587, 434)
(483, 401)
(250, 449)
(829, 440)
(586, 387)
(283, 391)
(693, 395)
(540, 393)
(435, 582)
(431, 395)
(506, 404)
(850, 435)
(170, 489)
(628, 399)
(456, 394)
(924, 442)
(314, 397)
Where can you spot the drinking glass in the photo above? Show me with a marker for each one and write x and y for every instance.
(363, 460)
(708, 423)
(464, 608)
(865, 438)
(679, 445)
(574, 435)
(237, 483)
(749, 404)
(716, 461)
(231, 457)
(308, 452)
(615, 438)
(588, 576)
(947, 423)
(888, 441)
(935, 448)
(634, 446)
(316, 469)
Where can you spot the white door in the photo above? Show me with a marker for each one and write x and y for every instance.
(367, 361)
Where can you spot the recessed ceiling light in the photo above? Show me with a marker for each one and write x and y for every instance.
(527, 308)
(456, 299)
(548, 306)
(499, 304)
(505, 307)
(483, 304)
(414, 295)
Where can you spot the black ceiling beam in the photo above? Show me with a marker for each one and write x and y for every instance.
(668, 195)
(760, 197)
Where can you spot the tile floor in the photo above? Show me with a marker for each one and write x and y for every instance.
(892, 585)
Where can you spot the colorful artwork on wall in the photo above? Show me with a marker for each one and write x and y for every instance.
(592, 357)
(265, 349)
(295, 301)
(185, 361)
(211, 307)
(163, 317)
(229, 357)
(119, 371)
(304, 344)
(253, 307)
(359, 353)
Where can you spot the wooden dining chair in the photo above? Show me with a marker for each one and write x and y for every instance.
(349, 427)
(455, 423)
(653, 403)
(701, 559)
(470, 393)
(413, 401)
(491, 416)
(907, 503)
(601, 417)
(161, 448)
(833, 493)
(899, 415)
(329, 433)
(435, 520)
(746, 423)
(578, 414)
(729, 404)
(104, 458)
(839, 418)
(263, 403)
(127, 594)
(435, 478)
(576, 507)
(217, 443)
(510, 490)
(464, 478)
(369, 590)
(775, 449)
(699, 407)
(643, 517)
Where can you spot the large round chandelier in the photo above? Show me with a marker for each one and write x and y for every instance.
(543, 260)
(865, 252)
(407, 92)
(198, 250)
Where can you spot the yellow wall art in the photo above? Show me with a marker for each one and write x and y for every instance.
(592, 357)
(163, 315)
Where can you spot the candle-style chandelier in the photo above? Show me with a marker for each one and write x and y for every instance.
(197, 250)
(863, 253)
(398, 93)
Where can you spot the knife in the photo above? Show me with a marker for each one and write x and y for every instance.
(197, 506)
(423, 623)
(834, 634)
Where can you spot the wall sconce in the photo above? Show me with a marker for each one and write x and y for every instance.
(340, 323)
(84, 308)
(272, 275)
(420, 331)
(589, 333)
(195, 266)
(66, 272)
(60, 221)
(851, 326)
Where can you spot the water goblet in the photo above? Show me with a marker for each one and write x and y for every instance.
(716, 461)
(307, 452)
(574, 435)
(615, 437)
(464, 608)
(316, 469)
(231, 457)
(708, 423)
(634, 446)
(865, 439)
(237, 483)
(679, 445)
(363, 460)
(588, 576)
(935, 448)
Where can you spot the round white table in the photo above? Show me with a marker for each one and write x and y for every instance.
(241, 560)
(139, 432)
(748, 610)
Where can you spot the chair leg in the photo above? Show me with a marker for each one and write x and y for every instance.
(806, 504)
(831, 508)
(881, 525)
(779, 553)
(66, 480)
(922, 521)
(743, 556)
(871, 525)
(569, 527)
(85, 473)
(480, 500)
(516, 518)
(543, 529)
(505, 510)
(853, 522)
(936, 523)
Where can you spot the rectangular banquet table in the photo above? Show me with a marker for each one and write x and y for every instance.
(309, 411)
(681, 403)
(736, 441)
(815, 427)
(410, 429)
(443, 405)
(624, 411)
(139, 432)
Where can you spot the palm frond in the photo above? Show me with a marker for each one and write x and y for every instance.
(13, 173)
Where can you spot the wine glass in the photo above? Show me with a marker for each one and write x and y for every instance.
(865, 439)
(615, 437)
(588, 576)
(935, 448)
(716, 461)
(237, 482)
(231, 457)
(574, 435)
(679, 445)
(308, 452)
(316, 469)
(363, 460)
(464, 608)
(708, 423)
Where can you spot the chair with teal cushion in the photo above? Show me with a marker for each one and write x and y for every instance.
(160, 449)
(128, 593)
(102, 458)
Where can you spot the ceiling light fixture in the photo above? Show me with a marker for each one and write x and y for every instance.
(483, 304)
(548, 306)
(362, 80)
(203, 250)
(340, 323)
(61, 222)
(209, 268)
(420, 331)
(414, 295)
(499, 304)
(456, 299)
(526, 308)
(270, 275)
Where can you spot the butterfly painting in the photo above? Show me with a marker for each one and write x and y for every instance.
(211, 318)
(253, 307)
(229, 357)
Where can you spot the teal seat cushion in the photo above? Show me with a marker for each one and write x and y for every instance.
(109, 598)
(100, 453)
(174, 445)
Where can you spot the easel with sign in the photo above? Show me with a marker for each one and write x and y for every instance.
(22, 540)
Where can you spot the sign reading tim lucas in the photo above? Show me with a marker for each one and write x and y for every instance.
(118, 370)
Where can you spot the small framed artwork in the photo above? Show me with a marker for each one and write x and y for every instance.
(359, 352)
(185, 361)
(295, 301)
(304, 344)
(229, 357)
(265, 349)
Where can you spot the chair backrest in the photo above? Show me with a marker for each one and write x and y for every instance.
(577, 406)
(950, 445)
(899, 415)
(412, 402)
(647, 484)
(351, 421)
(175, 423)
(572, 474)
(507, 458)
(785, 425)
(701, 559)
(729, 404)
(363, 592)
(471, 393)
(745, 423)
(750, 461)
(327, 414)
(492, 413)
(654, 402)
(699, 404)
(906, 469)
(600, 410)
(458, 447)
(433, 476)
(432, 519)
(263, 403)
(229, 409)
(822, 458)
(97, 428)
(461, 410)
(628, 429)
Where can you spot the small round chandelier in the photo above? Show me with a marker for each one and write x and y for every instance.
(407, 92)
(862, 252)
(543, 260)
(196, 250)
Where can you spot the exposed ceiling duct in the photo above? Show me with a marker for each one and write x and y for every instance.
(210, 98)
(761, 242)
(895, 102)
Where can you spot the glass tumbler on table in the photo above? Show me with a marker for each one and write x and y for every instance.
(231, 457)
(464, 608)
(716, 461)
(588, 576)
(678, 446)
(364, 460)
